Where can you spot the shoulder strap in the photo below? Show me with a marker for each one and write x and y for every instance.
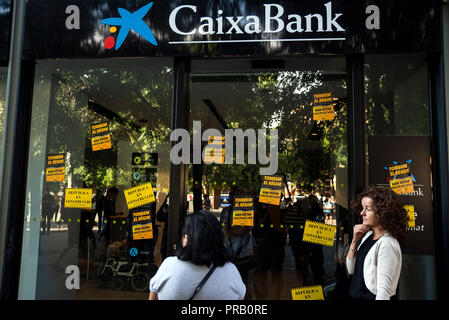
(198, 288)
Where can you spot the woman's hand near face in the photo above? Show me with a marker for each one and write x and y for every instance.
(359, 231)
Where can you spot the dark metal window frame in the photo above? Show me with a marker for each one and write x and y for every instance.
(16, 209)
(440, 172)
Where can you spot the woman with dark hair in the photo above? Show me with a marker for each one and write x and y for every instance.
(202, 250)
(375, 259)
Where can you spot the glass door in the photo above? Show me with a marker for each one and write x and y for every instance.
(283, 122)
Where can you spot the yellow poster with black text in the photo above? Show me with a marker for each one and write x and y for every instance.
(55, 170)
(271, 190)
(319, 233)
(214, 152)
(142, 226)
(323, 113)
(101, 137)
(308, 293)
(139, 196)
(80, 198)
(411, 215)
(400, 178)
(323, 99)
(243, 212)
(323, 106)
(402, 186)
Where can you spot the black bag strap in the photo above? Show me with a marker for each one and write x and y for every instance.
(198, 288)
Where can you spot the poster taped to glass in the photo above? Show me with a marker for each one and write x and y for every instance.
(400, 178)
(308, 293)
(55, 167)
(214, 152)
(319, 233)
(243, 213)
(139, 196)
(271, 190)
(142, 226)
(323, 106)
(101, 137)
(80, 198)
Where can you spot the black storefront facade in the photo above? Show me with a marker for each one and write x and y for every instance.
(225, 64)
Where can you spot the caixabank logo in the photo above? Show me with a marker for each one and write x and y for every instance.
(126, 22)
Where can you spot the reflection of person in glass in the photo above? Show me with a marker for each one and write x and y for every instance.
(315, 251)
(162, 216)
(374, 259)
(294, 219)
(99, 208)
(79, 225)
(270, 252)
(50, 207)
(238, 239)
(206, 202)
(202, 247)
(109, 213)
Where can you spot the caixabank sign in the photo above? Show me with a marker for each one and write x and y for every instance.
(93, 28)
(413, 151)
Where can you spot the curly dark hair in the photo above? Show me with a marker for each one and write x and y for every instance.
(388, 209)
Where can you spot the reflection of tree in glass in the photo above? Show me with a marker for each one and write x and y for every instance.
(282, 100)
(396, 96)
(135, 103)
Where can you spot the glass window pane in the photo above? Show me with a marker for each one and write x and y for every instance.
(310, 158)
(397, 99)
(99, 128)
(398, 132)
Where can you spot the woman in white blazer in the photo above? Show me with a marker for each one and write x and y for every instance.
(374, 259)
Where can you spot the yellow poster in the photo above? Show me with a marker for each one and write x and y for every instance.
(400, 178)
(143, 231)
(101, 143)
(401, 186)
(55, 174)
(139, 196)
(142, 227)
(80, 198)
(323, 113)
(55, 168)
(271, 190)
(214, 152)
(243, 212)
(308, 293)
(398, 169)
(270, 196)
(214, 155)
(411, 214)
(101, 138)
(319, 233)
(323, 98)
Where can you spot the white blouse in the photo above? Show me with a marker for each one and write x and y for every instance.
(382, 266)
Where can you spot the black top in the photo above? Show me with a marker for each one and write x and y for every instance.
(358, 289)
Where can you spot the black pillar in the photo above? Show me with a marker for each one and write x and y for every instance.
(356, 125)
(178, 173)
